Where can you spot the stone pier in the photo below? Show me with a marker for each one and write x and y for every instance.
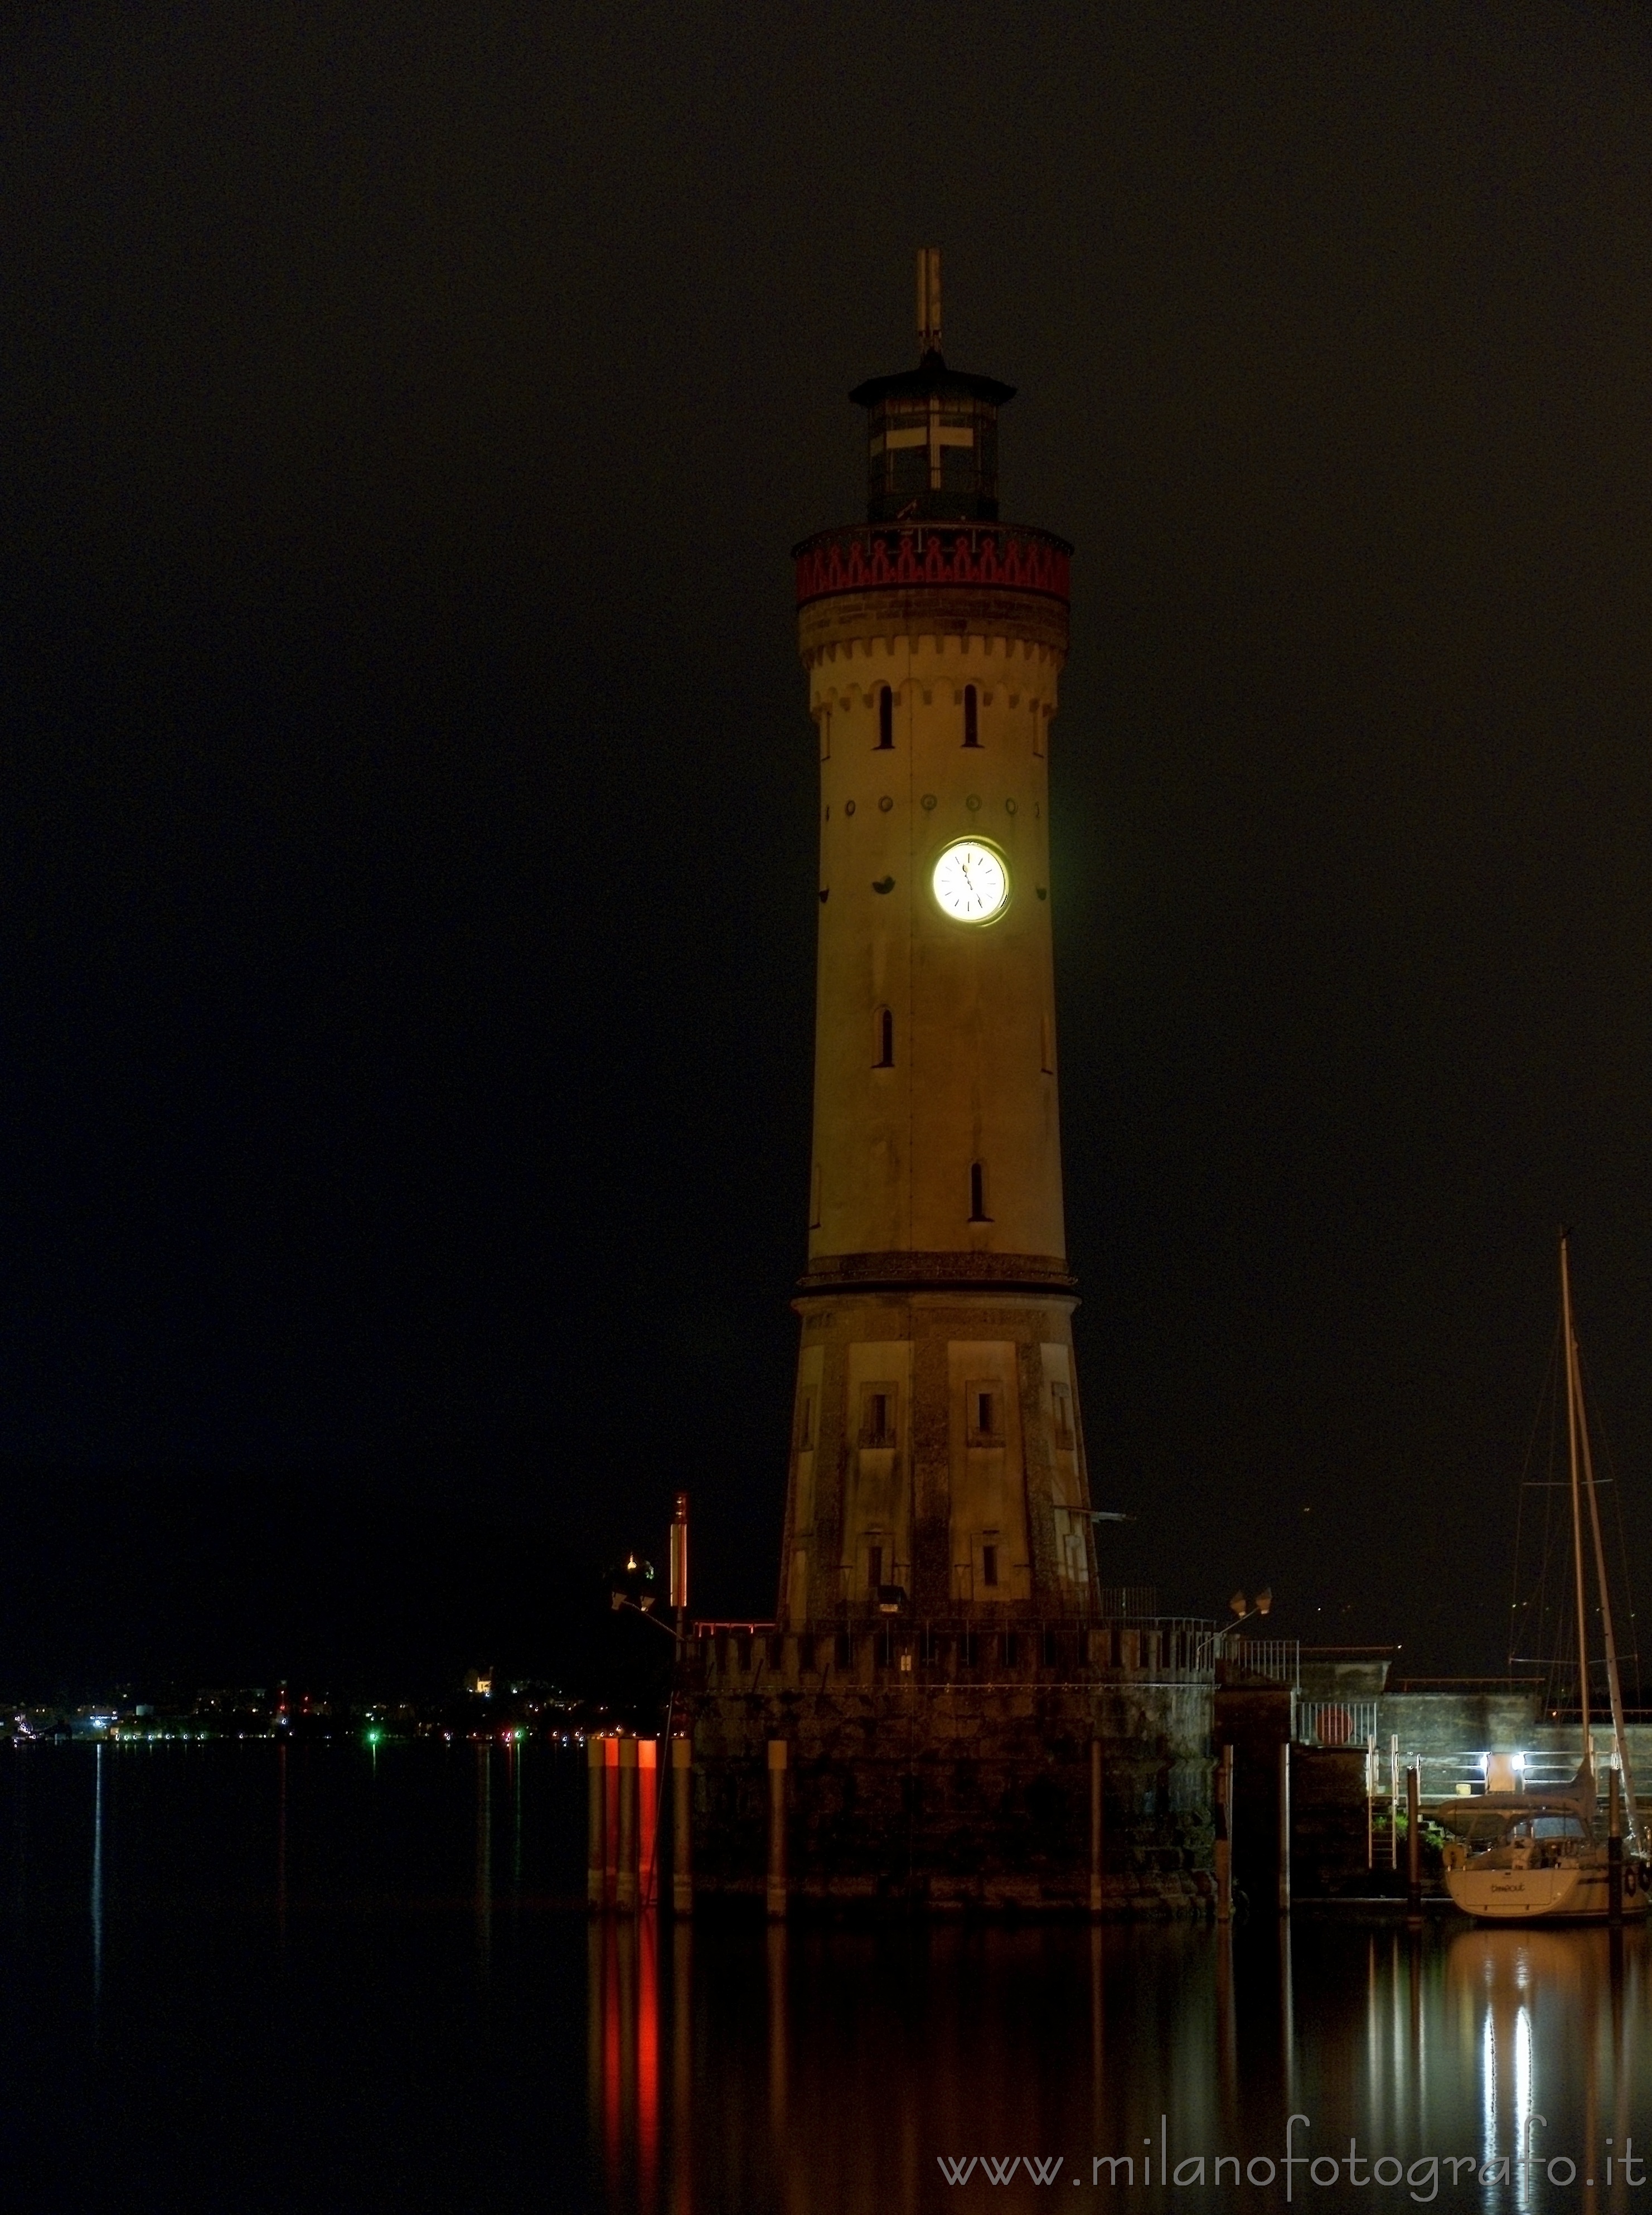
(945, 1768)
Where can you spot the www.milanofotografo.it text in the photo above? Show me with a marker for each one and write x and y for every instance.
(1299, 2169)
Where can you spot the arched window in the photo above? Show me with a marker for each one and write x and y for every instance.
(886, 719)
(972, 719)
(978, 1193)
(883, 1038)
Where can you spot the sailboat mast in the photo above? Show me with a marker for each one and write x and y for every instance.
(1614, 1691)
(1574, 1413)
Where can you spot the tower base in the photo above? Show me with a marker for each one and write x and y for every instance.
(937, 1445)
(943, 1770)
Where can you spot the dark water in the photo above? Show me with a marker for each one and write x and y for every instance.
(241, 1978)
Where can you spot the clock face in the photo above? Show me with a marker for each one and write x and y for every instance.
(971, 881)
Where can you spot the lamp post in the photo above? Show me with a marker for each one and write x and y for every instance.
(1243, 1609)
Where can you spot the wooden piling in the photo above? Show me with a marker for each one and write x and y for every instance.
(1095, 1826)
(1414, 1841)
(625, 1876)
(682, 1882)
(648, 1787)
(1225, 1834)
(596, 1826)
(1285, 1826)
(776, 1889)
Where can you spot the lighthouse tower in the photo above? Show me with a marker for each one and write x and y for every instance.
(937, 1462)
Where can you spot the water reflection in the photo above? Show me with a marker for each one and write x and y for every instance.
(815, 2069)
(484, 1850)
(97, 1873)
(281, 1841)
(307, 1925)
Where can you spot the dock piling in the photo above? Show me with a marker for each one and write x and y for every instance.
(595, 1825)
(625, 1879)
(1414, 1841)
(776, 1888)
(1225, 1834)
(682, 1882)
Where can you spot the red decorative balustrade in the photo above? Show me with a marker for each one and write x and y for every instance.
(863, 556)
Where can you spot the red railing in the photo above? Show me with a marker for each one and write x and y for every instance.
(864, 556)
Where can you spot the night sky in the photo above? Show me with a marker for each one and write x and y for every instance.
(407, 800)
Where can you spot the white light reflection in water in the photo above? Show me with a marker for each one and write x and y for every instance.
(97, 1873)
(1488, 2085)
(1523, 2101)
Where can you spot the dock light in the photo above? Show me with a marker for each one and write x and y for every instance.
(1238, 1604)
(375, 1735)
(1265, 1600)
(891, 1599)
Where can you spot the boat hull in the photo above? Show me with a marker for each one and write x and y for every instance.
(1573, 1891)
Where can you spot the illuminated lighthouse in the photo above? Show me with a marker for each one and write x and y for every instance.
(937, 1462)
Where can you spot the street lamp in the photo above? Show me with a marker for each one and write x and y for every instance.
(1243, 1609)
(631, 1585)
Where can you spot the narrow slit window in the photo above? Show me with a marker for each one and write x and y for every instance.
(1063, 1406)
(989, 1565)
(878, 1427)
(874, 1568)
(814, 1198)
(978, 1193)
(971, 717)
(886, 719)
(884, 1039)
(1037, 729)
(825, 721)
(806, 1423)
(983, 1415)
(1046, 1046)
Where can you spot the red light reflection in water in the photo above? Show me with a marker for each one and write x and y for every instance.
(613, 2103)
(625, 2048)
(647, 2060)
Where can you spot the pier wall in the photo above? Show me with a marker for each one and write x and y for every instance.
(947, 1772)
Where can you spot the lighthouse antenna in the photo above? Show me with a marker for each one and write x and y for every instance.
(929, 300)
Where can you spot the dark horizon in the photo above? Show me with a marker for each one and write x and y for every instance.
(407, 881)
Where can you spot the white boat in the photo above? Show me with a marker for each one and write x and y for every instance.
(1550, 1857)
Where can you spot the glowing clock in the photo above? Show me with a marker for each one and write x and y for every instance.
(971, 881)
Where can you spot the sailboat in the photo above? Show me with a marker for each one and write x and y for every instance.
(1550, 1858)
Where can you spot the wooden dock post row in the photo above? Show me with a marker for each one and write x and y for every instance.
(622, 1824)
(627, 1789)
(621, 1829)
